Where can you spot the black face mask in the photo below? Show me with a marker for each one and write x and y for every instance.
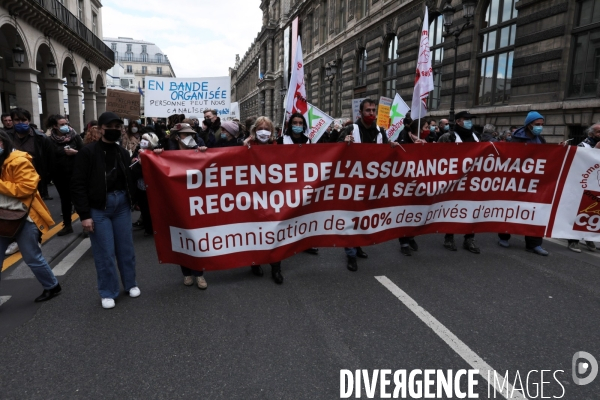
(112, 135)
(207, 122)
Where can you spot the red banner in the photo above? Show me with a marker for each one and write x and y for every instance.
(232, 207)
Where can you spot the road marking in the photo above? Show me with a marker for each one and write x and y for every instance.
(451, 340)
(14, 258)
(4, 299)
(66, 263)
(564, 243)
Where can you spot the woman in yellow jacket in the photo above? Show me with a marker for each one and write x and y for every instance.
(18, 185)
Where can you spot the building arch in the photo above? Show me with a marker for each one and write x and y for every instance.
(13, 35)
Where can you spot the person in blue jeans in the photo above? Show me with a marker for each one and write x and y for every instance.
(101, 190)
(18, 192)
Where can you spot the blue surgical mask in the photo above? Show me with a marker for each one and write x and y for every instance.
(432, 129)
(1, 151)
(64, 129)
(21, 127)
(537, 130)
(468, 124)
(223, 136)
(297, 129)
(446, 128)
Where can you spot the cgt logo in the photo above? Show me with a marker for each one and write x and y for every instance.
(584, 364)
(588, 217)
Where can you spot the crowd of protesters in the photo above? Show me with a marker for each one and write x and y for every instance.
(98, 174)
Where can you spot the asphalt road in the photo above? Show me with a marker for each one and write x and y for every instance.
(248, 338)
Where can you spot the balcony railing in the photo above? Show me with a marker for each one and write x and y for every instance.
(150, 73)
(147, 60)
(55, 8)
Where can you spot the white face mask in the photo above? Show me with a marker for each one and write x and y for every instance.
(263, 135)
(188, 141)
(134, 130)
(144, 144)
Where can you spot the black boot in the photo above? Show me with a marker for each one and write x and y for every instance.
(276, 273)
(360, 253)
(65, 230)
(352, 265)
(47, 294)
(257, 270)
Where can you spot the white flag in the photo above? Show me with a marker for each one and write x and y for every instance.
(296, 94)
(318, 122)
(423, 75)
(397, 112)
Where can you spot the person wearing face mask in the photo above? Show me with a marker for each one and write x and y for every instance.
(463, 132)
(148, 142)
(183, 137)
(230, 135)
(130, 140)
(434, 133)
(443, 127)
(530, 133)
(463, 128)
(66, 143)
(262, 133)
(36, 144)
(18, 182)
(365, 130)
(592, 141)
(211, 128)
(296, 131)
(102, 190)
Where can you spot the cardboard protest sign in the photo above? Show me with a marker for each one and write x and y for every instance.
(383, 112)
(124, 104)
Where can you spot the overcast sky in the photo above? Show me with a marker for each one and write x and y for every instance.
(201, 37)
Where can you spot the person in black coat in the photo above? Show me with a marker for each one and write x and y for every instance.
(66, 143)
(102, 190)
(36, 143)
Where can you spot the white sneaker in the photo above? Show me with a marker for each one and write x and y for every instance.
(108, 303)
(12, 249)
(134, 292)
(201, 282)
(188, 280)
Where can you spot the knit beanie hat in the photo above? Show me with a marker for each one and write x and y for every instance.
(532, 116)
(231, 127)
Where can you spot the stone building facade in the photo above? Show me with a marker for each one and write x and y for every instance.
(516, 56)
(62, 51)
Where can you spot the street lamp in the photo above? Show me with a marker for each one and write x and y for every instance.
(90, 85)
(51, 68)
(102, 90)
(18, 55)
(330, 71)
(448, 13)
(73, 77)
